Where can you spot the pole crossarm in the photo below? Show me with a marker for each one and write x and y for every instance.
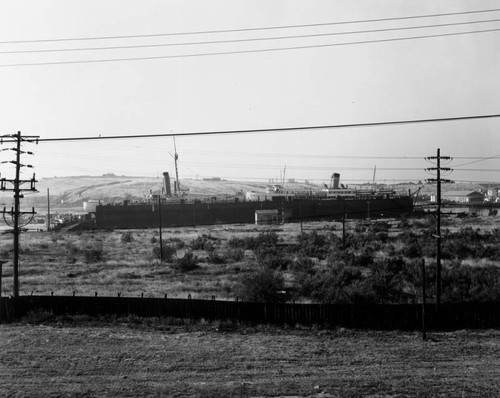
(441, 168)
(431, 180)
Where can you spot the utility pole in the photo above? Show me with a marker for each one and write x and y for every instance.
(48, 210)
(343, 223)
(160, 228)
(15, 212)
(438, 180)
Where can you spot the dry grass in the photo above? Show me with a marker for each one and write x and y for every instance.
(56, 262)
(152, 358)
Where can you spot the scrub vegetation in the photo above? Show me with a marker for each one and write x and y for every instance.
(378, 261)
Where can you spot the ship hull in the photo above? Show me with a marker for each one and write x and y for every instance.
(146, 215)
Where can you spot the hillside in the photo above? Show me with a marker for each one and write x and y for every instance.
(70, 192)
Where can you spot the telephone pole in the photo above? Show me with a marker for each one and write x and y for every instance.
(15, 213)
(438, 180)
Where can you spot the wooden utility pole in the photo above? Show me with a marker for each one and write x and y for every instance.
(438, 180)
(301, 226)
(48, 210)
(15, 213)
(343, 224)
(160, 227)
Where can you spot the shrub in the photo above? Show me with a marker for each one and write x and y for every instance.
(168, 252)
(236, 243)
(316, 245)
(127, 237)
(380, 226)
(272, 258)
(301, 264)
(188, 262)
(235, 254)
(465, 283)
(93, 254)
(264, 285)
(254, 242)
(343, 284)
(215, 258)
(203, 242)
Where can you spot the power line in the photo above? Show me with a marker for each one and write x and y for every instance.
(219, 53)
(269, 130)
(482, 170)
(254, 28)
(477, 161)
(244, 40)
(301, 155)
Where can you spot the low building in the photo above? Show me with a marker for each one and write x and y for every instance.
(468, 197)
(267, 216)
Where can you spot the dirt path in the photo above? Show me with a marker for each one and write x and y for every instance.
(209, 361)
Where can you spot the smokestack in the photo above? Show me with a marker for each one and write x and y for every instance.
(166, 184)
(335, 180)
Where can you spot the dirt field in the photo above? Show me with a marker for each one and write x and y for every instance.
(148, 358)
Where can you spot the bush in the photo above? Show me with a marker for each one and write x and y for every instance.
(188, 262)
(203, 242)
(264, 285)
(380, 226)
(343, 284)
(127, 237)
(316, 245)
(254, 242)
(235, 254)
(215, 258)
(93, 254)
(465, 283)
(301, 264)
(168, 252)
(272, 258)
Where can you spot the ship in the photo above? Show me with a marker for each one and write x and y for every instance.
(274, 205)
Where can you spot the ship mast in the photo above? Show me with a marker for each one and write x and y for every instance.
(373, 182)
(176, 170)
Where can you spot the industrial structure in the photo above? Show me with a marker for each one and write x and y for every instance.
(276, 203)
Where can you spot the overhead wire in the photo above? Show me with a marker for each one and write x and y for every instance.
(269, 130)
(249, 51)
(478, 160)
(255, 39)
(257, 28)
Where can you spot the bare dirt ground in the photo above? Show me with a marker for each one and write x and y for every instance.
(152, 358)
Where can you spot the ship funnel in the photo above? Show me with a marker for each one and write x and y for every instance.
(166, 184)
(335, 180)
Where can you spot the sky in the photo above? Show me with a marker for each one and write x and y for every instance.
(238, 74)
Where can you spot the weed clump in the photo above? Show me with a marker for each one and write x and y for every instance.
(215, 258)
(264, 285)
(93, 254)
(168, 252)
(189, 262)
(127, 237)
(203, 242)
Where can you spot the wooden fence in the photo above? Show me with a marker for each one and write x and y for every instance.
(480, 315)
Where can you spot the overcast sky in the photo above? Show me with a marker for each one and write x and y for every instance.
(156, 87)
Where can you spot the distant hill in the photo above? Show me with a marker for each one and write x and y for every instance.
(70, 192)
